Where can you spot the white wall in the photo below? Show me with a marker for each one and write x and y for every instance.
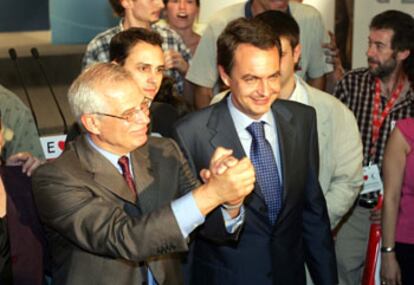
(364, 11)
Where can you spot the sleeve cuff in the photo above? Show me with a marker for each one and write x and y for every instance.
(187, 214)
(233, 224)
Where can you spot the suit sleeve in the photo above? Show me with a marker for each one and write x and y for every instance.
(99, 225)
(319, 253)
(214, 228)
(347, 178)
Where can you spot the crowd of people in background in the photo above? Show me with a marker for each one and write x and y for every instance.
(242, 154)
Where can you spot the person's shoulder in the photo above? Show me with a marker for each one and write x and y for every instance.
(300, 116)
(165, 30)
(354, 77)
(292, 106)
(357, 73)
(8, 97)
(12, 105)
(105, 35)
(325, 101)
(65, 165)
(406, 123)
(226, 14)
(304, 11)
(161, 147)
(5, 93)
(406, 127)
(330, 108)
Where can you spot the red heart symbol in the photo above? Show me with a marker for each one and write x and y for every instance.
(61, 145)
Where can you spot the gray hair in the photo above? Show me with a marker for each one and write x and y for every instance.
(85, 94)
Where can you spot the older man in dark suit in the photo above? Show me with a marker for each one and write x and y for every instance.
(286, 218)
(106, 201)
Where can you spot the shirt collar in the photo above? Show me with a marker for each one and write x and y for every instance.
(299, 93)
(113, 158)
(121, 24)
(243, 121)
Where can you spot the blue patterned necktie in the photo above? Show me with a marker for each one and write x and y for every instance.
(267, 174)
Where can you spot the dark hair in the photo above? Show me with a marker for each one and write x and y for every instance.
(197, 2)
(282, 25)
(402, 24)
(117, 7)
(168, 94)
(124, 41)
(243, 31)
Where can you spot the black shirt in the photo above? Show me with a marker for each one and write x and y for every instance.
(5, 261)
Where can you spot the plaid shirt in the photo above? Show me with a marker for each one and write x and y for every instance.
(357, 91)
(98, 49)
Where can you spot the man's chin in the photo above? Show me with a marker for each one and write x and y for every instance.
(140, 141)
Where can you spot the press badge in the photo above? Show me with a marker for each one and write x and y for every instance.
(372, 179)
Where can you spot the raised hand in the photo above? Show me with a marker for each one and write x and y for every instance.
(173, 59)
(28, 162)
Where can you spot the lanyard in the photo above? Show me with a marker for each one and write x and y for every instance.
(377, 118)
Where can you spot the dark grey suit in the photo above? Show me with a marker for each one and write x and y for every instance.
(96, 230)
(266, 254)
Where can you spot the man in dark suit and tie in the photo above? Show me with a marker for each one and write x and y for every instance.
(117, 205)
(286, 222)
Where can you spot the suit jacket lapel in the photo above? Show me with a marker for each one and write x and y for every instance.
(104, 173)
(287, 142)
(144, 178)
(223, 131)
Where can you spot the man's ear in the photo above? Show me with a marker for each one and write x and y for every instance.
(91, 124)
(224, 76)
(402, 55)
(125, 3)
(297, 51)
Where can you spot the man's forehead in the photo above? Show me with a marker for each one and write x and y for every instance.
(248, 53)
(142, 48)
(118, 90)
(383, 35)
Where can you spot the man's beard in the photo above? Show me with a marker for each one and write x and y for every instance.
(385, 69)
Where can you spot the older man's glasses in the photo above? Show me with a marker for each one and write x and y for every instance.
(132, 114)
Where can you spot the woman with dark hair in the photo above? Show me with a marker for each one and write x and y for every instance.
(180, 16)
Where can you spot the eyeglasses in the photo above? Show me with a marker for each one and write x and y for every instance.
(132, 114)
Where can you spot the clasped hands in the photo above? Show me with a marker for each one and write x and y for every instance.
(232, 179)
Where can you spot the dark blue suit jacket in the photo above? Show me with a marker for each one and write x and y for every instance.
(265, 254)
